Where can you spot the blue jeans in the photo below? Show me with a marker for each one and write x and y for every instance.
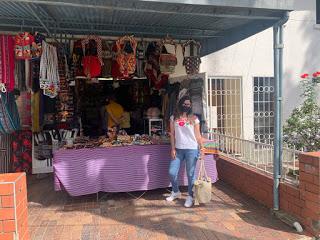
(190, 156)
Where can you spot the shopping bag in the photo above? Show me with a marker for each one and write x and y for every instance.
(202, 186)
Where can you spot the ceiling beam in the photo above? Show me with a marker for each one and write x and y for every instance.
(144, 10)
(127, 27)
(260, 4)
(109, 32)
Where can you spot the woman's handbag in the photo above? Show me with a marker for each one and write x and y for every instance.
(202, 186)
(167, 61)
(191, 62)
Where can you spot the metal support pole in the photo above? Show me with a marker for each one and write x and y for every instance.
(276, 158)
(278, 77)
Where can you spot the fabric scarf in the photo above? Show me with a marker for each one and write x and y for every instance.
(7, 63)
(49, 74)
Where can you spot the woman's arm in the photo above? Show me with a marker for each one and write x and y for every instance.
(172, 139)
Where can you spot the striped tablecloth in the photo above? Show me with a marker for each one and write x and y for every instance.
(117, 169)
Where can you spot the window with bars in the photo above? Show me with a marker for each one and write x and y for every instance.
(224, 103)
(263, 93)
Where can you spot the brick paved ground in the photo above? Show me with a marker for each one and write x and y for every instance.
(230, 215)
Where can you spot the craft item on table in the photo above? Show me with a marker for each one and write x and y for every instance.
(7, 78)
(49, 74)
(23, 42)
(126, 56)
(192, 60)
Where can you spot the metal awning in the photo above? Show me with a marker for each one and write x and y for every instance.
(216, 23)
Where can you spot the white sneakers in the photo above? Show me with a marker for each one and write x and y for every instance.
(173, 196)
(188, 203)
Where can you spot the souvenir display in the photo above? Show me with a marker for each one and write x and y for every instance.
(92, 60)
(9, 116)
(49, 74)
(152, 67)
(192, 60)
(167, 61)
(126, 55)
(23, 43)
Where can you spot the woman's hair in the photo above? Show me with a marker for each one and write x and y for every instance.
(178, 111)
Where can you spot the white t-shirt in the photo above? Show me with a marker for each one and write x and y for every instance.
(184, 133)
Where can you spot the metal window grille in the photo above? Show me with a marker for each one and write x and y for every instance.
(224, 103)
(263, 93)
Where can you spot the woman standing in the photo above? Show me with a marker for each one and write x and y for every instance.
(186, 142)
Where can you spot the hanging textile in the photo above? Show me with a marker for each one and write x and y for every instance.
(20, 75)
(24, 108)
(107, 59)
(126, 55)
(36, 46)
(6, 63)
(35, 111)
(49, 75)
(23, 42)
(92, 60)
(141, 59)
(22, 151)
(9, 116)
(152, 68)
(35, 74)
(191, 60)
(167, 61)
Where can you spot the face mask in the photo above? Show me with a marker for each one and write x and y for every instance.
(185, 109)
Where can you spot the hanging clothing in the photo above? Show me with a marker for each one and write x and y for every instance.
(7, 80)
(152, 67)
(24, 108)
(36, 47)
(49, 74)
(35, 111)
(107, 59)
(35, 74)
(22, 151)
(20, 75)
(98, 42)
(9, 116)
(141, 59)
(126, 56)
(23, 42)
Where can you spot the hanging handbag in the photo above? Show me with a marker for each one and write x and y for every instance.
(193, 61)
(126, 55)
(202, 186)
(167, 61)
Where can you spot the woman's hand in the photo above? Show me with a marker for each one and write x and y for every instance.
(201, 153)
(173, 154)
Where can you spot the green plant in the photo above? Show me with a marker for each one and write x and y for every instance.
(302, 129)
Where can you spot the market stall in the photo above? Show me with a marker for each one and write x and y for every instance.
(99, 108)
(130, 168)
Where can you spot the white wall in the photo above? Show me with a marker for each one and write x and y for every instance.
(254, 57)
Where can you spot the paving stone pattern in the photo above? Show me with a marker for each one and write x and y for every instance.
(229, 216)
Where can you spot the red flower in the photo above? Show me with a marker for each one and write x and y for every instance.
(305, 75)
